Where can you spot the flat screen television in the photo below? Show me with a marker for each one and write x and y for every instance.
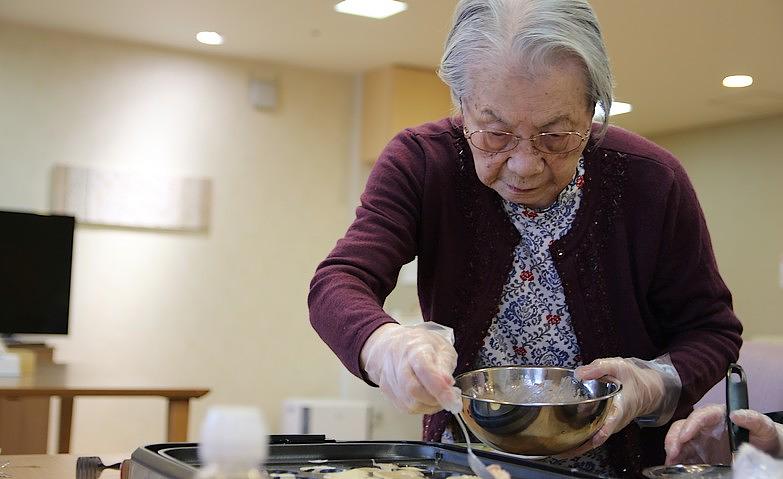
(35, 273)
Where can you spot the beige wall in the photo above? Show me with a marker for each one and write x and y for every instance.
(737, 171)
(227, 309)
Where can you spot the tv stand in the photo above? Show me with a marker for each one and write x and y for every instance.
(10, 340)
(43, 352)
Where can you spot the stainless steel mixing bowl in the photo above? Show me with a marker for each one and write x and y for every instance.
(541, 428)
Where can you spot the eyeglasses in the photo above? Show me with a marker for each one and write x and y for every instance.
(555, 142)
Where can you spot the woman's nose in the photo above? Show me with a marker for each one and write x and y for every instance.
(525, 161)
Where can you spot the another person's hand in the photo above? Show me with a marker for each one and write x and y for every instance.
(413, 366)
(650, 392)
(703, 436)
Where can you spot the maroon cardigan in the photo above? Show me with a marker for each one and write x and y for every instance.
(637, 266)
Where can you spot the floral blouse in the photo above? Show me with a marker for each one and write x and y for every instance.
(533, 326)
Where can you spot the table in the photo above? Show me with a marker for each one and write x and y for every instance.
(33, 392)
(42, 466)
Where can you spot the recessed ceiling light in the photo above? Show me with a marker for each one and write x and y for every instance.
(371, 8)
(738, 81)
(210, 38)
(618, 108)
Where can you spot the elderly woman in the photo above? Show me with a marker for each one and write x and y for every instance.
(542, 239)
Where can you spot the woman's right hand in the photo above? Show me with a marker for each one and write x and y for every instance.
(703, 436)
(413, 366)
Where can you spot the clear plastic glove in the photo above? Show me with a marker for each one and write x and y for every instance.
(765, 434)
(413, 366)
(703, 438)
(650, 393)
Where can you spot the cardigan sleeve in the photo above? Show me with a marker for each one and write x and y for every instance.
(687, 292)
(350, 286)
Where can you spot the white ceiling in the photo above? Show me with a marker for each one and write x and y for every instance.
(669, 56)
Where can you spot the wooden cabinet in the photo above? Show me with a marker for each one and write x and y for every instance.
(24, 425)
(397, 97)
(24, 421)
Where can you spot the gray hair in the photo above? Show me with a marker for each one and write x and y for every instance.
(526, 30)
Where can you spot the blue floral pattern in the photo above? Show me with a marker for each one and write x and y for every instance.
(533, 325)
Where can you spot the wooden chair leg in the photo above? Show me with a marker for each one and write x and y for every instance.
(66, 417)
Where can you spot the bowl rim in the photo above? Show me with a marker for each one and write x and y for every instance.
(605, 379)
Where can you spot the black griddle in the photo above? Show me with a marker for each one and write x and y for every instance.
(288, 454)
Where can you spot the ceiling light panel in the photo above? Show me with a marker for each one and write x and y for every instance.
(738, 81)
(618, 108)
(371, 8)
(210, 38)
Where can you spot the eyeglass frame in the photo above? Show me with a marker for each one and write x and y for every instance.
(582, 137)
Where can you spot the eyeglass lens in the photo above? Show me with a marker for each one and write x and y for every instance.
(549, 142)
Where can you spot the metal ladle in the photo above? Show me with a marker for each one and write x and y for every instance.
(478, 467)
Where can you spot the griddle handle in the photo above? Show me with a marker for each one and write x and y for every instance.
(298, 439)
(736, 398)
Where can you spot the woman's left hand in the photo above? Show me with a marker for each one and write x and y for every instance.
(650, 389)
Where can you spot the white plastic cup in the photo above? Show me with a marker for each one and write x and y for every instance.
(233, 439)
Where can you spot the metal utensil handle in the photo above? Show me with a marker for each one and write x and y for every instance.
(736, 398)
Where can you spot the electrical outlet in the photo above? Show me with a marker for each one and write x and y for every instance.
(780, 272)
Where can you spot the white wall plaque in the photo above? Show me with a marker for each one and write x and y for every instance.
(104, 197)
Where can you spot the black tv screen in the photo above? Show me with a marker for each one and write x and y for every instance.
(35, 273)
